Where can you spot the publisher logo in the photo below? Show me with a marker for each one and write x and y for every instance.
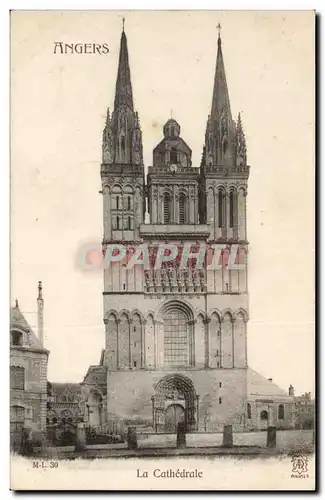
(299, 466)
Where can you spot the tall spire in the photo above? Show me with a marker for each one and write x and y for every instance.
(220, 133)
(122, 139)
(123, 90)
(220, 98)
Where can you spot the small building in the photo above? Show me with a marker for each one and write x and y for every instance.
(28, 376)
(63, 403)
(268, 404)
(304, 411)
(94, 391)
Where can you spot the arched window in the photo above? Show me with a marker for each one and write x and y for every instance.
(16, 338)
(231, 208)
(249, 411)
(264, 415)
(122, 144)
(220, 208)
(225, 146)
(117, 202)
(176, 341)
(173, 155)
(281, 412)
(167, 211)
(17, 377)
(129, 222)
(117, 222)
(129, 202)
(182, 209)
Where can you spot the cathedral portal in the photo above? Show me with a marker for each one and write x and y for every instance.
(175, 400)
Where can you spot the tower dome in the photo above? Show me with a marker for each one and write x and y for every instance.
(171, 129)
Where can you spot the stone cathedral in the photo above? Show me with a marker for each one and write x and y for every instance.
(176, 339)
(175, 333)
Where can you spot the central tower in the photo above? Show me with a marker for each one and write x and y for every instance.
(175, 335)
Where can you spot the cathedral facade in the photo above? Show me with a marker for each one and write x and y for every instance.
(176, 336)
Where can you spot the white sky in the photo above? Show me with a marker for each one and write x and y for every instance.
(58, 108)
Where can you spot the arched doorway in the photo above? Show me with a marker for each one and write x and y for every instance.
(175, 400)
(264, 415)
(94, 408)
(174, 414)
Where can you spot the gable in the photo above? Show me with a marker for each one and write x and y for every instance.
(260, 387)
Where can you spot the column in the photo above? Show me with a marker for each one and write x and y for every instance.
(159, 345)
(233, 341)
(107, 213)
(118, 321)
(235, 230)
(155, 346)
(160, 209)
(137, 211)
(217, 229)
(191, 342)
(197, 412)
(154, 205)
(227, 210)
(175, 204)
(210, 208)
(241, 215)
(245, 211)
(191, 206)
(130, 349)
(207, 342)
(224, 214)
(143, 342)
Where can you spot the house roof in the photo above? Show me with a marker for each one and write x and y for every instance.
(260, 387)
(97, 376)
(18, 321)
(59, 388)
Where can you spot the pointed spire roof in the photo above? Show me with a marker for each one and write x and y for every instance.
(17, 320)
(220, 98)
(123, 90)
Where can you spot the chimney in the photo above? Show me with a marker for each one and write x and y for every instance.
(291, 390)
(270, 379)
(40, 307)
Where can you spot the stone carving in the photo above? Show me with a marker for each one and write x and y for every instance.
(224, 125)
(107, 144)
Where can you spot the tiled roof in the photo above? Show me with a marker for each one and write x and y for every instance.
(96, 375)
(259, 386)
(65, 387)
(17, 320)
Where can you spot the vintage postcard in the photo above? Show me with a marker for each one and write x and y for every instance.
(162, 241)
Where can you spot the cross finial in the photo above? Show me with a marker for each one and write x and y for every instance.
(16, 302)
(219, 29)
(123, 21)
(171, 113)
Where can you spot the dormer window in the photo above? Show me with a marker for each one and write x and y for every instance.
(16, 338)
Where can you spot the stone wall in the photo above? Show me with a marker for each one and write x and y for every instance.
(34, 396)
(221, 396)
